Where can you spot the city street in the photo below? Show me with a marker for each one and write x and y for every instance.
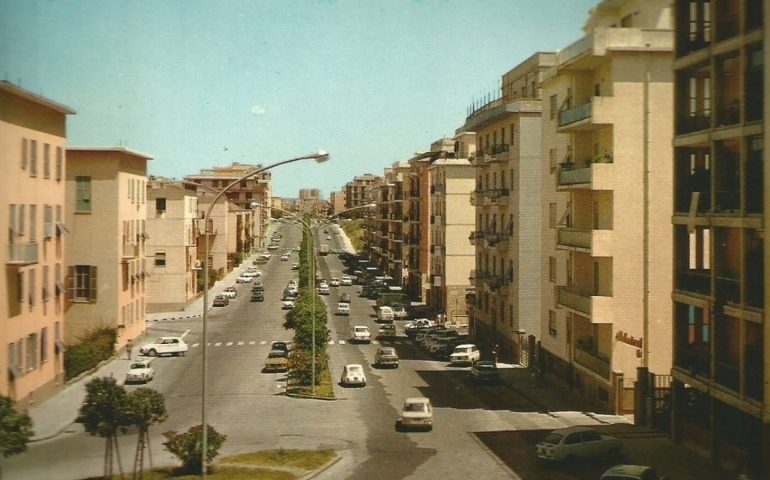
(251, 409)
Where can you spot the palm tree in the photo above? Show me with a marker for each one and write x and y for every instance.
(145, 408)
(105, 411)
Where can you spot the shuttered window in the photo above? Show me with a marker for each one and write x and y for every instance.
(82, 194)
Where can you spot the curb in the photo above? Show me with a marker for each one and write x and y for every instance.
(175, 318)
(310, 397)
(326, 467)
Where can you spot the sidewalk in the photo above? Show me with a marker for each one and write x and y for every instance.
(57, 413)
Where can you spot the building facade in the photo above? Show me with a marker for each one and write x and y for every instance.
(171, 246)
(33, 138)
(357, 193)
(106, 266)
(721, 330)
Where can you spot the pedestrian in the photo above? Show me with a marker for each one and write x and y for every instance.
(129, 348)
(494, 352)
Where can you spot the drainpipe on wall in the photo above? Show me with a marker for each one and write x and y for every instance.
(646, 219)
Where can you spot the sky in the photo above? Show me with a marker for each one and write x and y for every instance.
(199, 83)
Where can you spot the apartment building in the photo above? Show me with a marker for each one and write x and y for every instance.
(219, 228)
(309, 200)
(606, 193)
(240, 233)
(257, 188)
(507, 198)
(357, 193)
(336, 202)
(720, 323)
(33, 137)
(106, 212)
(171, 245)
(452, 219)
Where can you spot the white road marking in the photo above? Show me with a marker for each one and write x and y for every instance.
(239, 343)
(261, 343)
(229, 344)
(341, 342)
(250, 343)
(184, 335)
(218, 344)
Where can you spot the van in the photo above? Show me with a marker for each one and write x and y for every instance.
(385, 314)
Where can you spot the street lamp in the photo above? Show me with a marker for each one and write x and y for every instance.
(319, 156)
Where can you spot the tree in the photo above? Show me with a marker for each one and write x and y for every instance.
(15, 428)
(105, 411)
(189, 449)
(145, 408)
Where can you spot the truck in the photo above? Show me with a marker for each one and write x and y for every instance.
(323, 249)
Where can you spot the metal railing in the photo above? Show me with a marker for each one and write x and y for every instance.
(575, 114)
(22, 253)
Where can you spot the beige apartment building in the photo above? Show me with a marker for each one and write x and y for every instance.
(385, 224)
(452, 219)
(171, 245)
(336, 202)
(721, 371)
(507, 198)
(607, 195)
(240, 233)
(33, 139)
(309, 200)
(106, 270)
(219, 229)
(357, 193)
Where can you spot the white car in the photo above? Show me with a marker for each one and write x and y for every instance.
(287, 304)
(323, 290)
(243, 278)
(634, 472)
(230, 292)
(334, 282)
(577, 443)
(465, 354)
(385, 314)
(164, 346)
(140, 371)
(346, 281)
(399, 312)
(360, 333)
(353, 374)
(343, 308)
(417, 413)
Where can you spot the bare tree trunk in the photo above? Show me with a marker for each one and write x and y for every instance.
(139, 455)
(108, 458)
(149, 447)
(117, 456)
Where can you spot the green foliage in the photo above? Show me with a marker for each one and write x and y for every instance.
(301, 365)
(146, 407)
(189, 449)
(105, 409)
(94, 347)
(303, 335)
(354, 230)
(15, 428)
(200, 279)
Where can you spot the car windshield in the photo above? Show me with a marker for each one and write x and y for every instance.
(415, 407)
(387, 351)
(553, 438)
(276, 353)
(361, 329)
(138, 365)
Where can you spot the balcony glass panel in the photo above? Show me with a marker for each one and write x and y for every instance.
(692, 175)
(753, 269)
(728, 80)
(753, 87)
(574, 300)
(754, 358)
(22, 253)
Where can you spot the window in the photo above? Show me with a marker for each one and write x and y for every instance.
(31, 351)
(11, 222)
(552, 323)
(47, 221)
(43, 345)
(160, 258)
(82, 194)
(14, 370)
(160, 205)
(32, 223)
(20, 287)
(33, 158)
(20, 218)
(59, 163)
(82, 283)
(552, 269)
(31, 289)
(44, 284)
(24, 153)
(512, 133)
(47, 160)
(552, 215)
(553, 105)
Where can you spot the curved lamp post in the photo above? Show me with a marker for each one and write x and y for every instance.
(319, 156)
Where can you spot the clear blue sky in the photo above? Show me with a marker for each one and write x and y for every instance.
(196, 83)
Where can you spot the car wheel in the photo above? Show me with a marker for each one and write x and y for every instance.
(399, 427)
(152, 353)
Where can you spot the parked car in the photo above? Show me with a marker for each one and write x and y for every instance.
(285, 257)
(230, 292)
(631, 472)
(412, 328)
(385, 314)
(386, 356)
(485, 371)
(164, 346)
(272, 246)
(353, 374)
(258, 287)
(577, 443)
(345, 297)
(140, 371)
(287, 304)
(277, 361)
(343, 308)
(323, 289)
(465, 354)
(417, 413)
(295, 266)
(346, 281)
(243, 278)
(257, 296)
(399, 312)
(220, 301)
(387, 330)
(334, 282)
(360, 333)
(285, 346)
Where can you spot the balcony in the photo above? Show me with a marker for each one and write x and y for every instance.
(497, 153)
(477, 197)
(581, 54)
(585, 356)
(22, 253)
(598, 308)
(476, 236)
(591, 115)
(497, 240)
(596, 175)
(596, 242)
(130, 250)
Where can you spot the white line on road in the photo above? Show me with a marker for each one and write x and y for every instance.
(218, 344)
(239, 343)
(261, 343)
(193, 346)
(229, 344)
(185, 334)
(341, 342)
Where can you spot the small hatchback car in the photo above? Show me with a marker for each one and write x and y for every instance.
(353, 375)
(416, 414)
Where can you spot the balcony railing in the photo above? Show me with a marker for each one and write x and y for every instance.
(497, 239)
(574, 300)
(475, 236)
(587, 357)
(568, 175)
(477, 197)
(574, 238)
(575, 114)
(22, 253)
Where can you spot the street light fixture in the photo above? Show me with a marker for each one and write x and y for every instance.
(319, 156)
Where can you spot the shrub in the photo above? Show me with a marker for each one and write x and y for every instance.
(188, 446)
(94, 347)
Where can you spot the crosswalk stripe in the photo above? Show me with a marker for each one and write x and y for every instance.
(375, 342)
(261, 343)
(250, 343)
(331, 342)
(342, 342)
(229, 344)
(239, 343)
(218, 344)
(193, 346)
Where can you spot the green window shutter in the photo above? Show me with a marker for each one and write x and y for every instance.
(92, 289)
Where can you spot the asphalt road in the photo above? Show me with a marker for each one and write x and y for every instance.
(251, 409)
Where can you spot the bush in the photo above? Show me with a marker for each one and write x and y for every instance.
(188, 446)
(94, 347)
(301, 365)
(200, 279)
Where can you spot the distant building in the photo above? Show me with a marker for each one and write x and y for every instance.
(106, 266)
(171, 246)
(337, 202)
(357, 194)
(309, 201)
(32, 203)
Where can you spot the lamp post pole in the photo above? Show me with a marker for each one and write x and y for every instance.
(319, 156)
